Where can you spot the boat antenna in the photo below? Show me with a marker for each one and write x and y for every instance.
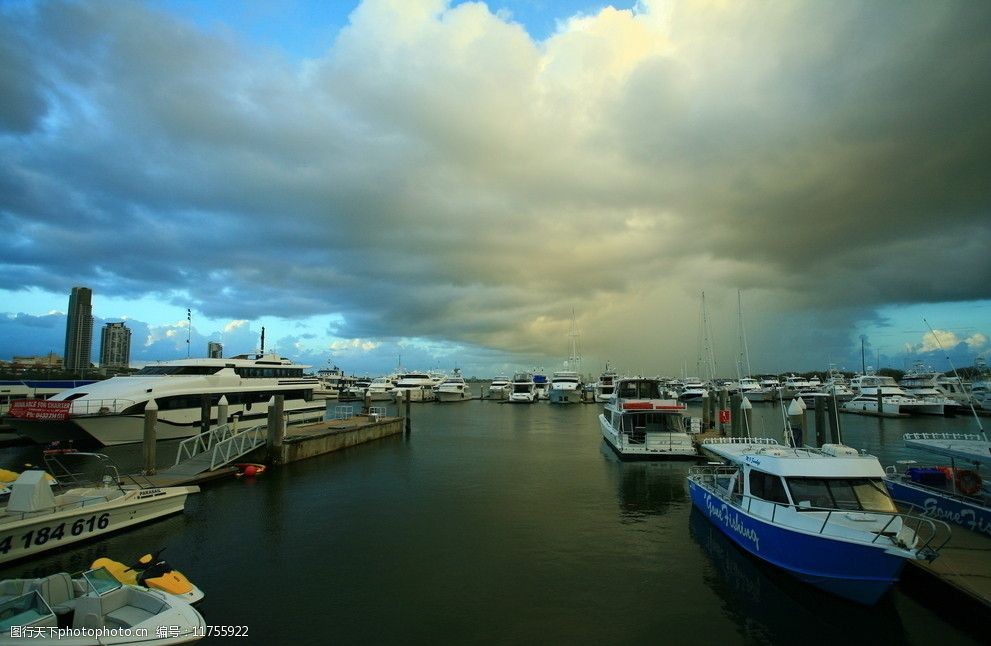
(263, 341)
(946, 354)
(863, 357)
(189, 329)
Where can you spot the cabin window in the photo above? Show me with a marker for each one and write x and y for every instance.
(841, 493)
(767, 487)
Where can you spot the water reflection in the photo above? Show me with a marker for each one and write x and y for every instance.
(648, 488)
(769, 605)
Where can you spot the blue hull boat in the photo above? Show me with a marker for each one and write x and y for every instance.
(822, 515)
(856, 572)
(970, 514)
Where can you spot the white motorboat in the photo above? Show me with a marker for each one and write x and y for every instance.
(638, 424)
(381, 389)
(355, 389)
(416, 387)
(540, 384)
(747, 385)
(935, 387)
(332, 382)
(523, 390)
(566, 388)
(792, 386)
(822, 515)
(111, 412)
(500, 387)
(693, 390)
(453, 389)
(767, 392)
(94, 610)
(36, 518)
(878, 394)
(606, 385)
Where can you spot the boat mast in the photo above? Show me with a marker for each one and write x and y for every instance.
(744, 359)
(574, 362)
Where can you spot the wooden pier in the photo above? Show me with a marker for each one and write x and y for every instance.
(964, 564)
(310, 440)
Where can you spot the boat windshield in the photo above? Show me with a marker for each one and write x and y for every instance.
(650, 422)
(861, 494)
(101, 581)
(638, 389)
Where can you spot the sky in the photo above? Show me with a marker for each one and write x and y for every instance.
(443, 184)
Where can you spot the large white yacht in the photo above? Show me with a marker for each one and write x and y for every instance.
(523, 389)
(566, 388)
(500, 387)
(415, 386)
(879, 394)
(112, 411)
(382, 389)
(637, 423)
(453, 389)
(930, 385)
(606, 385)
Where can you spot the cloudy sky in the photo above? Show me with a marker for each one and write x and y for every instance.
(448, 181)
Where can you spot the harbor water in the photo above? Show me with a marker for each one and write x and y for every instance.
(506, 524)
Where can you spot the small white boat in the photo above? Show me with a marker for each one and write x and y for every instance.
(767, 392)
(500, 387)
(638, 424)
(523, 391)
(36, 519)
(453, 389)
(94, 610)
(566, 388)
(822, 515)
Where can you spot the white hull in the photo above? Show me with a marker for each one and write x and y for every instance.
(37, 533)
(892, 406)
(565, 396)
(655, 445)
(455, 396)
(498, 392)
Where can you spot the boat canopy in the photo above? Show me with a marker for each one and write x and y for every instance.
(639, 389)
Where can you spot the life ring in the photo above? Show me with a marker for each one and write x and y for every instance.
(968, 482)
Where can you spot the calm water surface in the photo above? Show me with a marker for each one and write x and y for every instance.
(497, 523)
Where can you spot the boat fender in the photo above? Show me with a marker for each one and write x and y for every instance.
(968, 482)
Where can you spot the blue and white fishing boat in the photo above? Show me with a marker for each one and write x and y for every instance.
(823, 515)
(954, 493)
(638, 423)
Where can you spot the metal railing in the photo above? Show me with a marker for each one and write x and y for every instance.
(224, 443)
(343, 412)
(927, 531)
(740, 440)
(377, 411)
(942, 436)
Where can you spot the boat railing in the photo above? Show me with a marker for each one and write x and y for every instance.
(100, 406)
(741, 440)
(932, 534)
(942, 436)
(203, 442)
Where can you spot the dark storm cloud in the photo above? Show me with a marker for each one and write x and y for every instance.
(439, 174)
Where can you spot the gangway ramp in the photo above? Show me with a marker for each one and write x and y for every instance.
(215, 449)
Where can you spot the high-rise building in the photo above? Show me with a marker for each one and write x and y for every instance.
(115, 346)
(79, 329)
(215, 350)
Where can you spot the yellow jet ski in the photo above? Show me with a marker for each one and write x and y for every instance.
(152, 572)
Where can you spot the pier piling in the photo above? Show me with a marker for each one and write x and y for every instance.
(823, 435)
(205, 413)
(706, 414)
(148, 446)
(723, 396)
(734, 416)
(276, 427)
(833, 412)
(406, 417)
(796, 419)
(222, 407)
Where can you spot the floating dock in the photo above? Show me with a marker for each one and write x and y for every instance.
(309, 440)
(964, 564)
